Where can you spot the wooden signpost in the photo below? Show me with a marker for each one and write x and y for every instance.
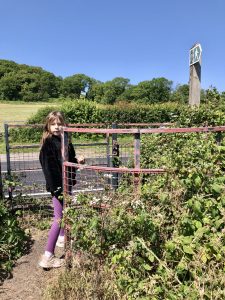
(195, 58)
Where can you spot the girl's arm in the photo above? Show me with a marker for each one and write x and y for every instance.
(52, 168)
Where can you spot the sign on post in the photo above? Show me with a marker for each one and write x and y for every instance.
(195, 54)
(195, 59)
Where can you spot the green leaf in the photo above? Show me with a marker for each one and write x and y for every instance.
(198, 224)
(188, 249)
(187, 239)
(163, 196)
(151, 258)
(204, 258)
(170, 246)
(197, 207)
(218, 223)
(147, 267)
(197, 181)
(217, 188)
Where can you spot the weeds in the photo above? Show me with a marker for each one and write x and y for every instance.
(166, 242)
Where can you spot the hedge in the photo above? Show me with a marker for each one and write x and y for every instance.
(83, 111)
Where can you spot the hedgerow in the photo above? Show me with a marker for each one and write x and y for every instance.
(82, 111)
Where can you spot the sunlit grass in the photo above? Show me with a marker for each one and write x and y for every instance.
(17, 112)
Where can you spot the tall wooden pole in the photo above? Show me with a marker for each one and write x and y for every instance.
(195, 75)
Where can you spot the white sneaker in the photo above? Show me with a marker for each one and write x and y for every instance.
(50, 262)
(60, 243)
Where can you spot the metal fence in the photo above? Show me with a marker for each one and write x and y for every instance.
(20, 168)
(21, 165)
(122, 154)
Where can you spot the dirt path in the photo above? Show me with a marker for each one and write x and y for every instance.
(28, 280)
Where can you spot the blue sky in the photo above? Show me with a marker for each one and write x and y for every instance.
(135, 39)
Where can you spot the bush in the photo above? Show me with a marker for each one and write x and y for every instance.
(12, 241)
(188, 205)
(168, 241)
(40, 116)
(83, 111)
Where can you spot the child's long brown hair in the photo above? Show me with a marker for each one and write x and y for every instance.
(51, 117)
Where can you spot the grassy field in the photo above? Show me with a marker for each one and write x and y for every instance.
(19, 112)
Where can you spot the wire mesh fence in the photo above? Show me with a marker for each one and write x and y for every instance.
(20, 167)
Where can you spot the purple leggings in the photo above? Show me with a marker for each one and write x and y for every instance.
(56, 229)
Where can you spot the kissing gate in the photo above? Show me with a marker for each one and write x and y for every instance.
(123, 167)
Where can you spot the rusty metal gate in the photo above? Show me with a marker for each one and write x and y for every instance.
(20, 165)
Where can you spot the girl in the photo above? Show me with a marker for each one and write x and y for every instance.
(51, 161)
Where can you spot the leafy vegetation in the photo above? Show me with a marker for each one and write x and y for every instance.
(166, 242)
(83, 111)
(31, 84)
(22, 82)
(12, 240)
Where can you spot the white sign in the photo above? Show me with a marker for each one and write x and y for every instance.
(195, 54)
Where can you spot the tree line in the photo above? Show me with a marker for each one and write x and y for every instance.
(29, 83)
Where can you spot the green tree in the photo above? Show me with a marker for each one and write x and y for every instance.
(113, 89)
(110, 91)
(222, 95)
(152, 91)
(38, 85)
(127, 95)
(22, 82)
(7, 66)
(181, 93)
(96, 91)
(76, 85)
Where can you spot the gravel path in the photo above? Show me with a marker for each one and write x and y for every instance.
(28, 280)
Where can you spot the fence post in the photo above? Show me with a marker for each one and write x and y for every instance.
(137, 151)
(107, 150)
(137, 147)
(66, 190)
(115, 157)
(219, 137)
(6, 127)
(64, 150)
(1, 185)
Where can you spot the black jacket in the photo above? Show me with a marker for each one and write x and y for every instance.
(51, 161)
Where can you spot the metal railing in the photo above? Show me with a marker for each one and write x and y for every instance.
(21, 162)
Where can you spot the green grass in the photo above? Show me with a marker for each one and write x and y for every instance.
(17, 112)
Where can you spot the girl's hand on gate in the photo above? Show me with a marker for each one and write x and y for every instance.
(81, 159)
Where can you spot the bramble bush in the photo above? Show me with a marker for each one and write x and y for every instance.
(190, 201)
(166, 242)
(12, 240)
